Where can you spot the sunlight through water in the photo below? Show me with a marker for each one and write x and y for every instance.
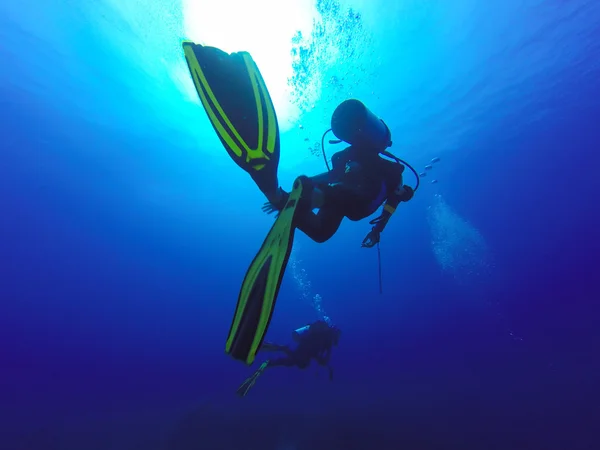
(264, 28)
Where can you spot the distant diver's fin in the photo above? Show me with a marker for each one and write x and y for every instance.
(237, 102)
(258, 294)
(250, 381)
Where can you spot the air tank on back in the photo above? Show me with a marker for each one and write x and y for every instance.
(299, 332)
(354, 123)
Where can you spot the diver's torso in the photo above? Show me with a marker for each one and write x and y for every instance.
(317, 339)
(371, 174)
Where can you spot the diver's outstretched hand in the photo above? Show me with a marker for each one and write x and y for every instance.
(270, 208)
(372, 239)
(276, 202)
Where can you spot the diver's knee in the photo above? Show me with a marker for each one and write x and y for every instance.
(314, 232)
(319, 239)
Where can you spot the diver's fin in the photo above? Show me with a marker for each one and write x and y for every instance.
(259, 290)
(240, 109)
(249, 383)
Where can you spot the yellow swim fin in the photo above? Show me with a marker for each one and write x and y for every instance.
(258, 294)
(237, 102)
(250, 381)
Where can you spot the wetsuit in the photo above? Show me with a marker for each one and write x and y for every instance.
(316, 344)
(360, 182)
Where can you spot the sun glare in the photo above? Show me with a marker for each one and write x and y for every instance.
(262, 27)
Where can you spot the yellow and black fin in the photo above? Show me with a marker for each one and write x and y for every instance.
(237, 102)
(258, 294)
(250, 381)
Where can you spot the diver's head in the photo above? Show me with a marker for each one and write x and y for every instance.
(354, 123)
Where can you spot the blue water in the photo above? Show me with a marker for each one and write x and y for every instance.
(125, 230)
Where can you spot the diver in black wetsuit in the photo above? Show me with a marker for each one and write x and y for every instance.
(315, 341)
(359, 182)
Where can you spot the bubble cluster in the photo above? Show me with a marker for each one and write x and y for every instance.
(458, 246)
(461, 250)
(305, 287)
(321, 60)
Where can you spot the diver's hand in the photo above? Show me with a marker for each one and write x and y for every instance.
(270, 208)
(372, 239)
(276, 202)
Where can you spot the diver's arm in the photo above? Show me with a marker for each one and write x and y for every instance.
(395, 192)
(402, 193)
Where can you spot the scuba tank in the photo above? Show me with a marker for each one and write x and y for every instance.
(299, 332)
(354, 123)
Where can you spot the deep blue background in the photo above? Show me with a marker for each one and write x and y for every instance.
(124, 242)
